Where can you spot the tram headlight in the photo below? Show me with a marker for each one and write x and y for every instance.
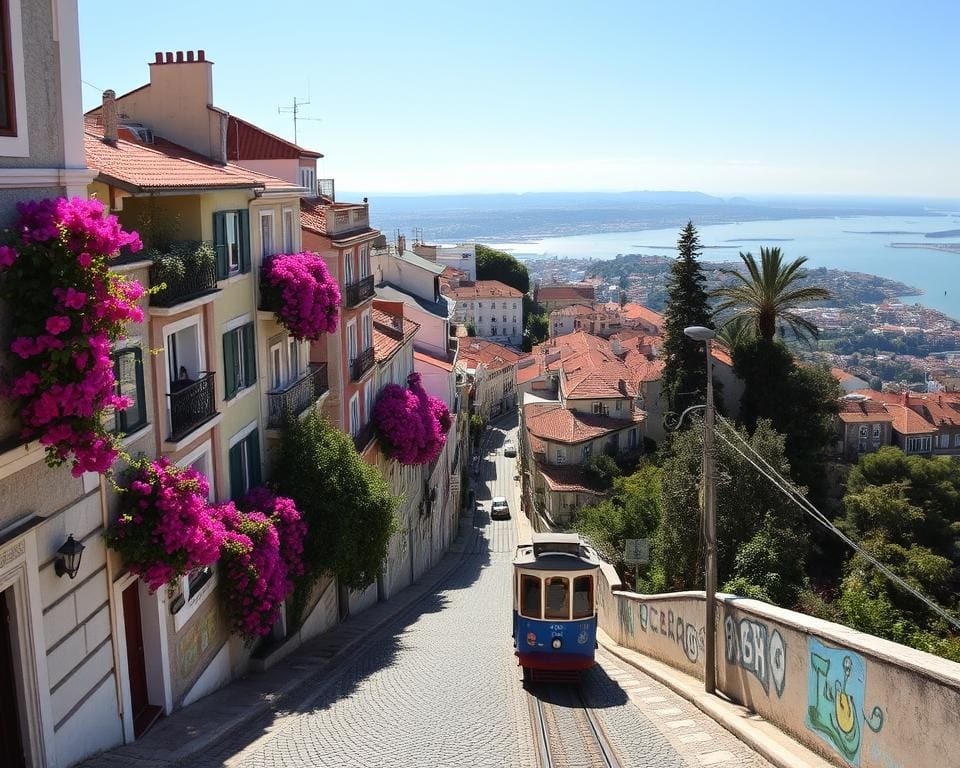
(557, 642)
(531, 639)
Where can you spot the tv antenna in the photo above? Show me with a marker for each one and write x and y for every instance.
(295, 111)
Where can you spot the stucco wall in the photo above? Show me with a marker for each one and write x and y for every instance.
(853, 698)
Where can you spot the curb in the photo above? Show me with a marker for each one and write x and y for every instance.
(776, 747)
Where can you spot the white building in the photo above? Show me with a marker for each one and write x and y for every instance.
(462, 256)
(493, 308)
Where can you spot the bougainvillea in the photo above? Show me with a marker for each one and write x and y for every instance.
(166, 526)
(302, 294)
(261, 556)
(66, 308)
(411, 424)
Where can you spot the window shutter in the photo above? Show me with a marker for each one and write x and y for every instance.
(253, 456)
(229, 365)
(244, 218)
(220, 245)
(236, 471)
(249, 355)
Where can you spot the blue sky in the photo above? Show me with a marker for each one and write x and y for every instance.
(722, 97)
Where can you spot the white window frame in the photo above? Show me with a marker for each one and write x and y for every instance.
(266, 250)
(956, 439)
(354, 409)
(287, 233)
(863, 431)
(191, 605)
(170, 330)
(367, 330)
(18, 145)
(349, 278)
(561, 456)
(276, 366)
(364, 261)
(877, 431)
(352, 336)
(918, 444)
(308, 180)
(293, 358)
(368, 402)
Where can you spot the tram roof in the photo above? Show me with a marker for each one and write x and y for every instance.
(556, 552)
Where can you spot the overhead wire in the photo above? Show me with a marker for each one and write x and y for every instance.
(807, 506)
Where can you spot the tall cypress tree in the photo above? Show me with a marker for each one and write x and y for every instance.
(685, 365)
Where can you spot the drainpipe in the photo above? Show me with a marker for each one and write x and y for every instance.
(112, 608)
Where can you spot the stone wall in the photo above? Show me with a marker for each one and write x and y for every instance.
(853, 698)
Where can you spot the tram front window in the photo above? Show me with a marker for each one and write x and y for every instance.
(557, 602)
(583, 597)
(530, 597)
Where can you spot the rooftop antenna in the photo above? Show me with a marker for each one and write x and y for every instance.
(295, 111)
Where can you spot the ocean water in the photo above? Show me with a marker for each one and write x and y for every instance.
(838, 243)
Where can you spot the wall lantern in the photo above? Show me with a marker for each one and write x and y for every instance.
(72, 551)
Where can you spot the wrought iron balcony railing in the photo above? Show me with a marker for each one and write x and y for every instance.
(361, 364)
(364, 436)
(295, 398)
(187, 274)
(191, 404)
(358, 291)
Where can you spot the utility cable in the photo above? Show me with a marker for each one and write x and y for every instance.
(801, 501)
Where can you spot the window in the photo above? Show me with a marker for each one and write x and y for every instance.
(583, 597)
(351, 342)
(493, 331)
(287, 222)
(12, 119)
(367, 331)
(561, 455)
(364, 260)
(619, 405)
(504, 318)
(308, 179)
(266, 233)
(244, 462)
(194, 580)
(944, 441)
(348, 268)
(586, 451)
(918, 445)
(504, 305)
(480, 304)
(293, 359)
(876, 432)
(368, 403)
(530, 596)
(231, 240)
(276, 366)
(956, 439)
(354, 415)
(863, 431)
(556, 594)
(239, 360)
(128, 371)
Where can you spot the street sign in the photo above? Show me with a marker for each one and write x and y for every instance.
(637, 552)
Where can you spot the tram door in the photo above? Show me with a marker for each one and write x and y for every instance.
(11, 743)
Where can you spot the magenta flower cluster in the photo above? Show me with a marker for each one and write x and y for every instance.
(299, 289)
(411, 424)
(166, 526)
(261, 556)
(66, 309)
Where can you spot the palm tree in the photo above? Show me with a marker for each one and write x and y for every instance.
(768, 293)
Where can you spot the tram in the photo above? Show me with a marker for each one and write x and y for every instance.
(554, 605)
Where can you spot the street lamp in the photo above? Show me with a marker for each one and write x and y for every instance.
(700, 333)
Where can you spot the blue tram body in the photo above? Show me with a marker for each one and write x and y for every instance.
(554, 604)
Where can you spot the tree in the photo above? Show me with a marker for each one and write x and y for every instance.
(345, 502)
(500, 265)
(685, 366)
(536, 330)
(768, 294)
(761, 535)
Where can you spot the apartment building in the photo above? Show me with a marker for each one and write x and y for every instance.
(461, 257)
(493, 308)
(551, 296)
(491, 370)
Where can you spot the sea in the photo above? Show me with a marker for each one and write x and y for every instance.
(856, 244)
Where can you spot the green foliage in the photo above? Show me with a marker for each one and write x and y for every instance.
(500, 265)
(632, 512)
(345, 502)
(801, 403)
(685, 367)
(477, 425)
(471, 329)
(602, 471)
(536, 329)
(175, 262)
(761, 536)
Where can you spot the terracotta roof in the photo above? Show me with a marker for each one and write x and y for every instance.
(389, 333)
(536, 444)
(566, 479)
(528, 373)
(721, 355)
(313, 214)
(482, 289)
(551, 421)
(642, 368)
(632, 311)
(246, 141)
(491, 355)
(855, 410)
(610, 379)
(439, 362)
(574, 310)
(841, 375)
(564, 292)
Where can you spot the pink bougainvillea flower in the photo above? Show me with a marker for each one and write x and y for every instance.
(8, 255)
(58, 324)
(411, 424)
(300, 290)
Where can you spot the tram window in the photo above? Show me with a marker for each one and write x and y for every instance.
(530, 596)
(583, 597)
(557, 603)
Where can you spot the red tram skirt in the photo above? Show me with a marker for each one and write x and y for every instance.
(555, 661)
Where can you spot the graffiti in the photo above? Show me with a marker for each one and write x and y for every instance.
(691, 638)
(836, 692)
(625, 614)
(753, 647)
(644, 618)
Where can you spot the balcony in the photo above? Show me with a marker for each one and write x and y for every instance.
(343, 219)
(187, 272)
(361, 364)
(364, 437)
(288, 403)
(358, 292)
(191, 404)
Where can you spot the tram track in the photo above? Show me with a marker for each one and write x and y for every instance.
(567, 732)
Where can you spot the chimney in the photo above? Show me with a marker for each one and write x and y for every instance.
(401, 243)
(177, 103)
(905, 398)
(109, 117)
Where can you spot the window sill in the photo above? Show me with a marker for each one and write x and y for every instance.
(240, 394)
(139, 433)
(182, 616)
(233, 279)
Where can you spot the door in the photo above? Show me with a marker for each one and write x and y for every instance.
(11, 743)
(136, 665)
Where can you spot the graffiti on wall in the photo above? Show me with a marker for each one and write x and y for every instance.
(687, 635)
(835, 694)
(752, 646)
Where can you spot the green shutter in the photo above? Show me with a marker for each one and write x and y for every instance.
(244, 218)
(249, 355)
(220, 245)
(229, 365)
(253, 456)
(236, 471)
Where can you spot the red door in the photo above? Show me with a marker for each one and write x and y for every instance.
(136, 666)
(11, 744)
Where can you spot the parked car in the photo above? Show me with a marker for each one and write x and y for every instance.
(509, 449)
(499, 508)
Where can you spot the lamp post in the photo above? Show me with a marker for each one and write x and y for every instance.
(700, 333)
